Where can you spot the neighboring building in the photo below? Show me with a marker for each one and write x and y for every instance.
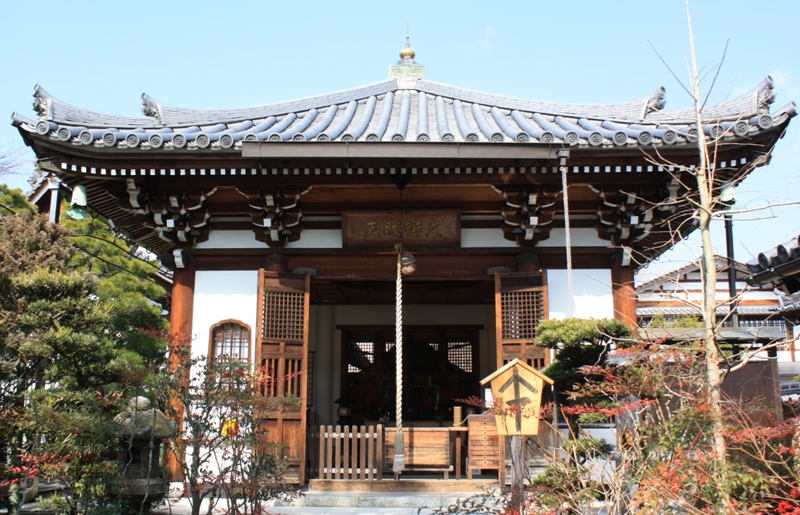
(308, 198)
(678, 294)
(779, 268)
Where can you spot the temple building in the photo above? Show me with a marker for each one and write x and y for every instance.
(317, 202)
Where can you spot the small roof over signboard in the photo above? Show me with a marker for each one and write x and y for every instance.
(515, 362)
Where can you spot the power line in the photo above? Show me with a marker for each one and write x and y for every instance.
(127, 251)
(144, 278)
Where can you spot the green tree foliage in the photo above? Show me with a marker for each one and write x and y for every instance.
(59, 365)
(683, 321)
(13, 200)
(125, 284)
(69, 349)
(579, 342)
(61, 324)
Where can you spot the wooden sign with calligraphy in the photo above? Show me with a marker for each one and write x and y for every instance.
(370, 228)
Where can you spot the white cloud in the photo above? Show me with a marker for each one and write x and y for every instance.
(487, 40)
(785, 84)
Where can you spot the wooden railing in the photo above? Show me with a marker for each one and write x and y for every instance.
(351, 452)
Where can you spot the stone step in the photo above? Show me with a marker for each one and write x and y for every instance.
(405, 484)
(356, 499)
(388, 493)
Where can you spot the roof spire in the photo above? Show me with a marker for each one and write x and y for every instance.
(407, 53)
(407, 66)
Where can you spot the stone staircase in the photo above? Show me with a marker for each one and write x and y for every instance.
(388, 493)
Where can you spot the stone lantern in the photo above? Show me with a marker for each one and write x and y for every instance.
(142, 430)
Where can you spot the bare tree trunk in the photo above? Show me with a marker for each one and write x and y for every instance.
(708, 271)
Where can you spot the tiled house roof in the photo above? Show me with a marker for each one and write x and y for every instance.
(403, 110)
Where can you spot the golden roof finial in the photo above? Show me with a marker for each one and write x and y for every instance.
(407, 52)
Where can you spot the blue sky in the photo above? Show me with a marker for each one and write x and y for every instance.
(103, 55)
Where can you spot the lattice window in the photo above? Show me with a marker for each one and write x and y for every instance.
(360, 355)
(521, 313)
(269, 379)
(230, 338)
(294, 378)
(460, 355)
(284, 316)
(286, 381)
(537, 363)
(771, 323)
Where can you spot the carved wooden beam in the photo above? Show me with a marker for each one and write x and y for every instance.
(275, 214)
(626, 217)
(528, 213)
(180, 218)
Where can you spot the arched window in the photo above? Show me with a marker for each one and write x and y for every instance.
(230, 338)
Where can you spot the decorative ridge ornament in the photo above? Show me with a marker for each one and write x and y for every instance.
(42, 102)
(407, 67)
(150, 106)
(655, 102)
(407, 53)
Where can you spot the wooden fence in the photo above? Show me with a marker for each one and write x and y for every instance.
(349, 452)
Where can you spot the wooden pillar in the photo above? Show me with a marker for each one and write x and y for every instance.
(180, 346)
(276, 262)
(623, 293)
(528, 262)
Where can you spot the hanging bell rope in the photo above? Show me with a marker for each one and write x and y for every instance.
(406, 264)
(564, 191)
(399, 446)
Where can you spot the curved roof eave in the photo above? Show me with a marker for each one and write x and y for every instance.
(395, 110)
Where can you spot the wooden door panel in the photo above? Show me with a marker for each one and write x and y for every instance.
(282, 354)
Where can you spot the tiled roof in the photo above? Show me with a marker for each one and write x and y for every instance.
(791, 304)
(780, 264)
(674, 275)
(403, 110)
(692, 310)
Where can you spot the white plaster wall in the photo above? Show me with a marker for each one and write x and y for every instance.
(243, 239)
(476, 238)
(579, 237)
(332, 239)
(221, 295)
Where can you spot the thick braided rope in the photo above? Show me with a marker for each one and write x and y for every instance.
(399, 451)
(568, 242)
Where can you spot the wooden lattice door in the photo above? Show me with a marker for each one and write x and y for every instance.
(520, 304)
(282, 354)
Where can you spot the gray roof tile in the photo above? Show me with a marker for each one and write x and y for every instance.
(382, 112)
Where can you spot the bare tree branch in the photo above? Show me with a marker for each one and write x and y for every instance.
(668, 68)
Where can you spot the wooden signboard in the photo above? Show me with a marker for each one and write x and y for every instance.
(517, 394)
(418, 228)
